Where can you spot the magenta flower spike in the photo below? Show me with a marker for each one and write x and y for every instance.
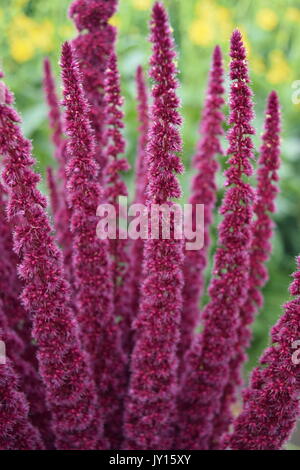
(151, 405)
(61, 217)
(57, 180)
(203, 192)
(94, 45)
(16, 327)
(92, 270)
(208, 361)
(16, 430)
(36, 417)
(271, 402)
(10, 285)
(54, 114)
(70, 390)
(143, 116)
(140, 184)
(262, 229)
(53, 191)
(114, 188)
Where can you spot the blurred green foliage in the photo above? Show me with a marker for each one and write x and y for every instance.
(31, 29)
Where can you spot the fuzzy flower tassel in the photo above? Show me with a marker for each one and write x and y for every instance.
(16, 326)
(208, 361)
(114, 189)
(141, 183)
(55, 118)
(16, 431)
(143, 116)
(94, 45)
(271, 402)
(57, 180)
(92, 270)
(203, 192)
(262, 230)
(70, 391)
(151, 406)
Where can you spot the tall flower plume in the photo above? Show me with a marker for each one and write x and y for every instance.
(57, 182)
(70, 391)
(53, 192)
(203, 192)
(19, 412)
(271, 402)
(24, 377)
(262, 230)
(16, 327)
(94, 46)
(114, 188)
(16, 431)
(150, 412)
(55, 118)
(92, 270)
(140, 183)
(143, 116)
(10, 285)
(208, 361)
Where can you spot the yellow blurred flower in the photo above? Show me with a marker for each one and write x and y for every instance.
(115, 21)
(211, 23)
(224, 24)
(279, 71)
(42, 35)
(266, 19)
(21, 23)
(20, 3)
(201, 33)
(26, 36)
(141, 4)
(258, 65)
(21, 49)
(293, 14)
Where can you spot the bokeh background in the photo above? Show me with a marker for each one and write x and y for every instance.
(32, 29)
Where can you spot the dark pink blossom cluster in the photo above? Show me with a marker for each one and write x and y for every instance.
(143, 116)
(16, 327)
(262, 231)
(57, 183)
(55, 118)
(16, 431)
(93, 46)
(102, 350)
(137, 250)
(203, 191)
(70, 390)
(91, 265)
(260, 252)
(271, 402)
(151, 406)
(114, 189)
(208, 360)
